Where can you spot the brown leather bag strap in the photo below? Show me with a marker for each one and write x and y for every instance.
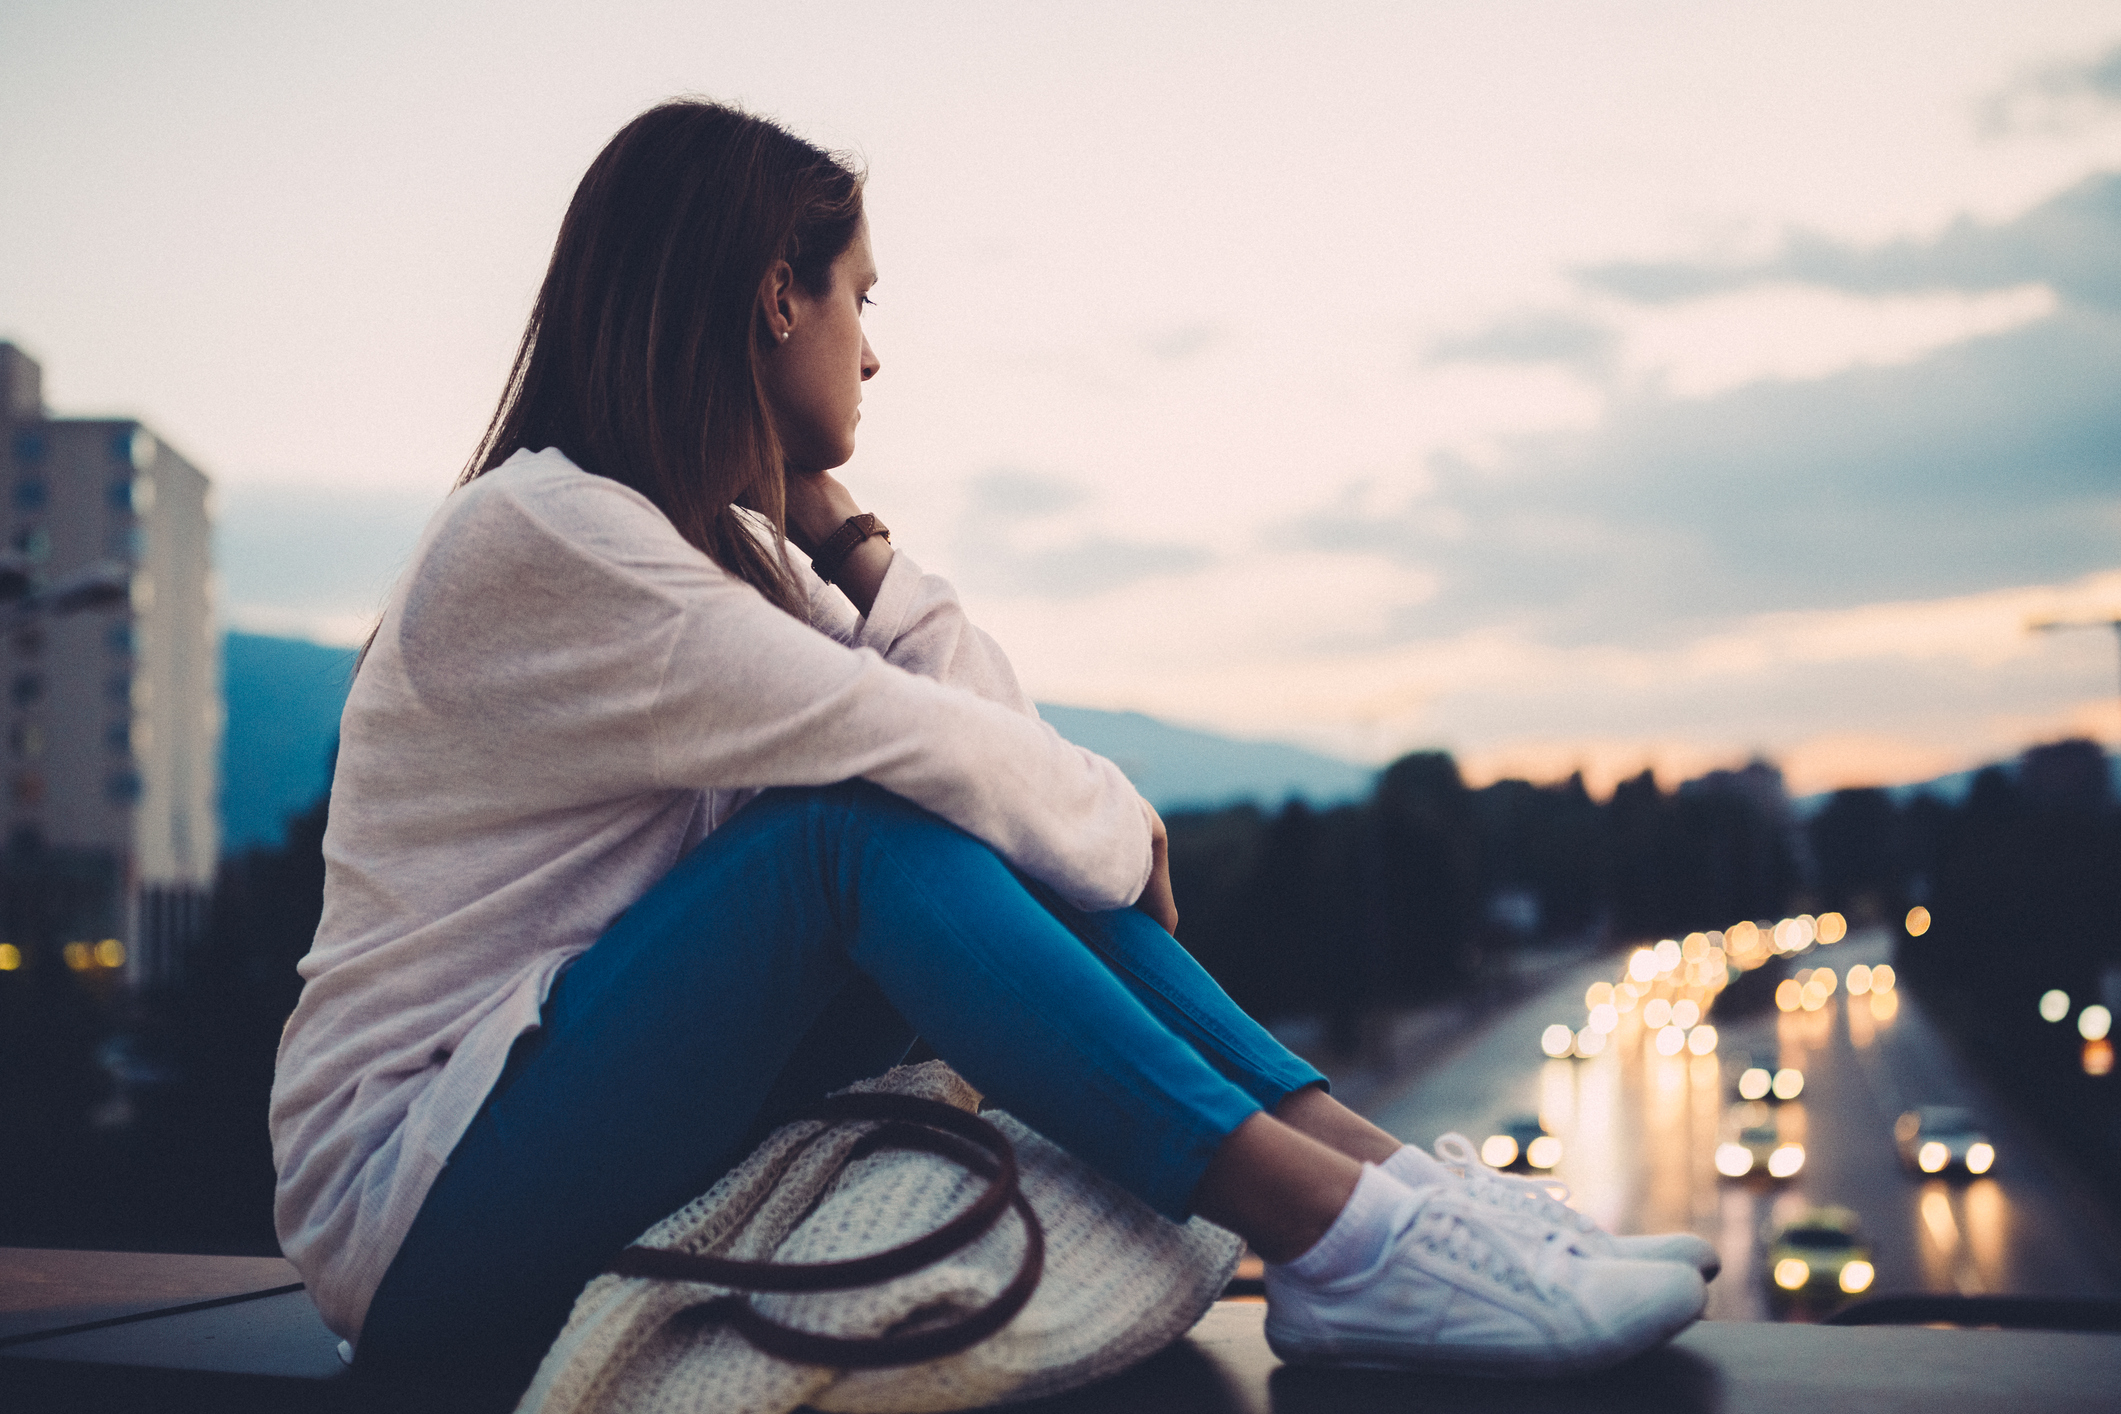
(960, 1231)
(910, 1123)
(881, 1351)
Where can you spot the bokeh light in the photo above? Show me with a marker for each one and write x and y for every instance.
(2098, 1058)
(2054, 1004)
(1670, 1041)
(1789, 1083)
(1753, 1085)
(1642, 966)
(1701, 1040)
(2094, 1022)
(10, 957)
(1656, 1012)
(1498, 1151)
(1832, 927)
(1918, 921)
(1556, 1040)
(1859, 980)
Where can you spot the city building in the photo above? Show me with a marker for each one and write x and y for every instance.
(109, 666)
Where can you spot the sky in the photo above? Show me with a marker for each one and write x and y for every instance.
(1585, 387)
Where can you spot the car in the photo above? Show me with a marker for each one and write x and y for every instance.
(1818, 1259)
(1942, 1139)
(1521, 1144)
(1757, 1082)
(1758, 1140)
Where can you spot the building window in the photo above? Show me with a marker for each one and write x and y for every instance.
(133, 447)
(123, 787)
(31, 494)
(34, 541)
(26, 688)
(29, 451)
(29, 642)
(119, 688)
(27, 740)
(29, 788)
(119, 736)
(126, 542)
(119, 639)
(121, 495)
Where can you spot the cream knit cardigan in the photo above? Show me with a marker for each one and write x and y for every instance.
(563, 699)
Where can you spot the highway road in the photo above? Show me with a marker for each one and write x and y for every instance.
(1639, 1132)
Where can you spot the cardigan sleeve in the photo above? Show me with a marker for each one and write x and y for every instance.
(752, 698)
(917, 623)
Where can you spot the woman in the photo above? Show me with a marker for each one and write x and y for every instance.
(644, 835)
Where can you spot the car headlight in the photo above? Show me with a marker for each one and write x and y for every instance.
(1857, 1276)
(1785, 1161)
(1980, 1157)
(1932, 1157)
(1791, 1273)
(1734, 1160)
(1498, 1151)
(1543, 1152)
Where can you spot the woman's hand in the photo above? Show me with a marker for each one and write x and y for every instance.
(1157, 900)
(818, 504)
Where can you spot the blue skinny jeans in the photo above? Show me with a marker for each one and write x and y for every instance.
(803, 946)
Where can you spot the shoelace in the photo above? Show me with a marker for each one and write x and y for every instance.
(1542, 1198)
(1469, 1240)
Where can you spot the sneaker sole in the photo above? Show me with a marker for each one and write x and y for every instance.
(1492, 1362)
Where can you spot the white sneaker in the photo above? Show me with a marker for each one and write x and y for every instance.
(1458, 1291)
(1526, 1202)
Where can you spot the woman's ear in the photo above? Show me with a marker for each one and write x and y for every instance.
(777, 300)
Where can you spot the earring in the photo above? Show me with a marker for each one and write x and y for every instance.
(784, 336)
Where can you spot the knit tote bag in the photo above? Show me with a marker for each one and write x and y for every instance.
(1119, 1280)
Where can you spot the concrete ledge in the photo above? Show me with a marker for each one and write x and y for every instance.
(158, 1348)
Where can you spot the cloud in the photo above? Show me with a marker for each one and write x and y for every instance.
(1537, 337)
(1182, 342)
(1030, 534)
(2071, 242)
(1005, 495)
(312, 562)
(1990, 461)
(2057, 98)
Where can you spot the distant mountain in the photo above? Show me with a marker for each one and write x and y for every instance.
(1177, 767)
(1952, 789)
(285, 695)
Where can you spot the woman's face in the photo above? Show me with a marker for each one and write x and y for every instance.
(814, 377)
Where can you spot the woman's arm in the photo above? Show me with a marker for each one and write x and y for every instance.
(818, 505)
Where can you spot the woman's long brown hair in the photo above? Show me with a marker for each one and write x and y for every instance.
(641, 360)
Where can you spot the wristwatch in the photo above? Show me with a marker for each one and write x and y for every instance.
(840, 544)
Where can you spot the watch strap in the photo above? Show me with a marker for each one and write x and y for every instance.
(840, 544)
